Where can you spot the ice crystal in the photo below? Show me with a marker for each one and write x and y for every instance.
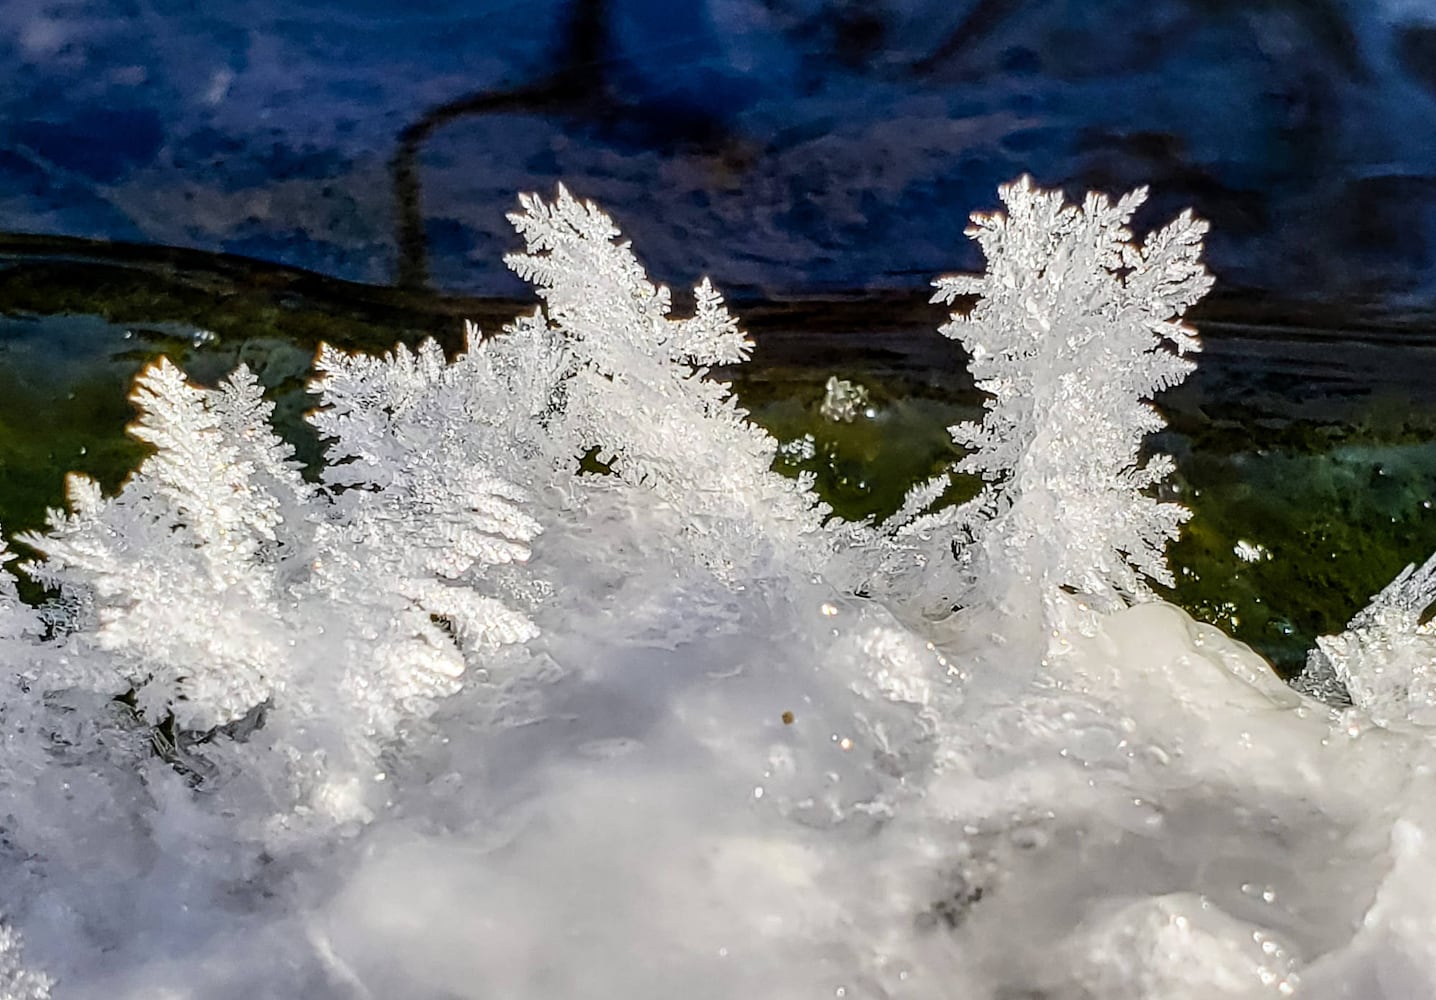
(638, 393)
(17, 619)
(17, 982)
(218, 582)
(1384, 663)
(178, 572)
(843, 400)
(420, 514)
(1073, 330)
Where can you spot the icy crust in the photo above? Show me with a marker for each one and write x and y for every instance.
(1190, 833)
(455, 720)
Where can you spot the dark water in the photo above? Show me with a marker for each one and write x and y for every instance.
(780, 146)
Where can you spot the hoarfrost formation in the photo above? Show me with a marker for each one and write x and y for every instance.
(459, 721)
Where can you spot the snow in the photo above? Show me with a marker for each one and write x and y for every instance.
(1191, 830)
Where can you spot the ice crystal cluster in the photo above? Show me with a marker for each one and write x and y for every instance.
(463, 717)
(1073, 331)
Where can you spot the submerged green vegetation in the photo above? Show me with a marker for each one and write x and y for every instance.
(1301, 509)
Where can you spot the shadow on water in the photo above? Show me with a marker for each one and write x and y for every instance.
(580, 88)
(578, 84)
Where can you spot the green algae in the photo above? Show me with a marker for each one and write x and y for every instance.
(1324, 529)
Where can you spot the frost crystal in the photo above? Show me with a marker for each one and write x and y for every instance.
(1385, 661)
(420, 514)
(843, 400)
(17, 620)
(1074, 329)
(178, 572)
(16, 981)
(218, 583)
(638, 393)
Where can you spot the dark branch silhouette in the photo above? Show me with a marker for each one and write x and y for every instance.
(579, 81)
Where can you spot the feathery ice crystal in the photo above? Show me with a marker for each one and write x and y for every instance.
(1073, 330)
(454, 719)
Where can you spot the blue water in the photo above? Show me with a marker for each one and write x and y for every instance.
(781, 146)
